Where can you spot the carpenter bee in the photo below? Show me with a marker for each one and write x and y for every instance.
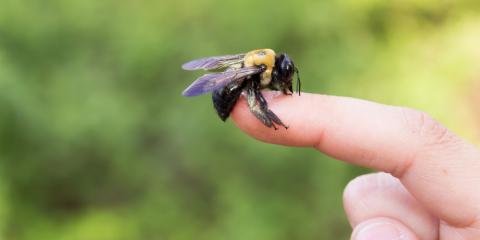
(249, 72)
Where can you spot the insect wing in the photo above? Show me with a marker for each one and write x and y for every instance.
(213, 81)
(214, 63)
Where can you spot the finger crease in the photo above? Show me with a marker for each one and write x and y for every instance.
(404, 166)
(318, 142)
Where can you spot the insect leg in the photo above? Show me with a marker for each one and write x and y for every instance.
(256, 108)
(264, 107)
(288, 91)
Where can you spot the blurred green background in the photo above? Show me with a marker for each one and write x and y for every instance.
(96, 141)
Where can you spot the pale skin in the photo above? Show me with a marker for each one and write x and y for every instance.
(428, 185)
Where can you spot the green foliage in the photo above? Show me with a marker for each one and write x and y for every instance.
(96, 141)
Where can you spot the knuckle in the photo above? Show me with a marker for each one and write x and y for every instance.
(428, 130)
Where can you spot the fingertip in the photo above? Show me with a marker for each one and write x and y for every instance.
(382, 228)
(364, 185)
(380, 194)
(240, 115)
(248, 123)
(292, 111)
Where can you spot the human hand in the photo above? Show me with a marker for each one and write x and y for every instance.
(431, 188)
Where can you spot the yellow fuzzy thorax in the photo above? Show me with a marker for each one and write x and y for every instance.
(260, 57)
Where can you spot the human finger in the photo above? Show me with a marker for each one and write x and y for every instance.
(441, 170)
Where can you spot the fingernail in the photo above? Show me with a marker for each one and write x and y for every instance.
(377, 231)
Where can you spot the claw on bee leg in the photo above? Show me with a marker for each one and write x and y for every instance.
(288, 91)
(275, 119)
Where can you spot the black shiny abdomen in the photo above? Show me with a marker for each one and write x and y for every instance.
(224, 99)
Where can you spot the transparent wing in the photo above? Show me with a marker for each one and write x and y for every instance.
(213, 81)
(214, 63)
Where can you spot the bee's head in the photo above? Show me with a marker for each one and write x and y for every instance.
(283, 73)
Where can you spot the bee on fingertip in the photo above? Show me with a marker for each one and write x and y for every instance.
(247, 72)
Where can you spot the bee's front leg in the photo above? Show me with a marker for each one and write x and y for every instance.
(287, 91)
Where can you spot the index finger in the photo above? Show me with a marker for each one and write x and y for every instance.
(437, 167)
